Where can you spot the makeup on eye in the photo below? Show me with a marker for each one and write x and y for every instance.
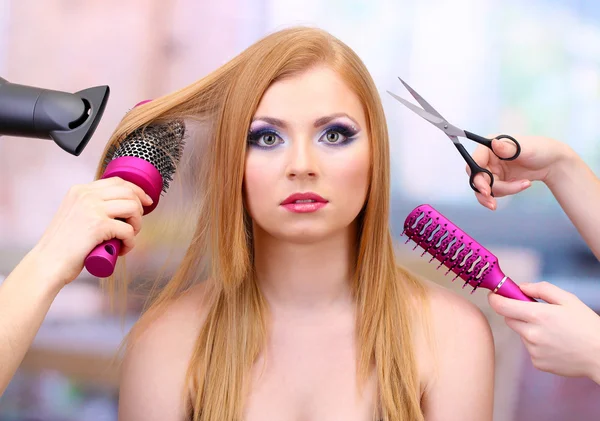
(346, 132)
(265, 132)
(265, 137)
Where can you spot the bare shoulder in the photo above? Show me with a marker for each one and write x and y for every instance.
(155, 364)
(452, 318)
(457, 325)
(450, 310)
(460, 359)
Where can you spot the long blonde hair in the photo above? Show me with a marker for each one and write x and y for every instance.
(388, 298)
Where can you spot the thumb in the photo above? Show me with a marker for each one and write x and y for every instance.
(504, 148)
(546, 291)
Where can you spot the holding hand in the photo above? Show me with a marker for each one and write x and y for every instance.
(87, 217)
(539, 156)
(562, 335)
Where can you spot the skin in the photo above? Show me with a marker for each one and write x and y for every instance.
(563, 334)
(303, 265)
(85, 218)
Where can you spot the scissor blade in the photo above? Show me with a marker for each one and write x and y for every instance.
(421, 101)
(427, 116)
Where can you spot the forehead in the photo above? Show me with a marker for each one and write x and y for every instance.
(307, 96)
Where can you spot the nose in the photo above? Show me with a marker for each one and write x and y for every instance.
(302, 162)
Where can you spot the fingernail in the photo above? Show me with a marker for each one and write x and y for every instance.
(149, 199)
(525, 184)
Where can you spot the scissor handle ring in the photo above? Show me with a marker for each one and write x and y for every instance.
(476, 169)
(516, 155)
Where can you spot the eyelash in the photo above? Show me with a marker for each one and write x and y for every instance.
(347, 132)
(255, 136)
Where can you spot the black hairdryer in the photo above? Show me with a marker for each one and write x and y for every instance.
(68, 119)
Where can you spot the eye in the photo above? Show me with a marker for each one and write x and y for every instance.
(338, 135)
(268, 139)
(264, 138)
(332, 137)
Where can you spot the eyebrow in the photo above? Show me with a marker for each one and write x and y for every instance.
(317, 123)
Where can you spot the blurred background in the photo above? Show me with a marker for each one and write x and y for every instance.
(488, 66)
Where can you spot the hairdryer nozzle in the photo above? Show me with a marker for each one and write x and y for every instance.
(76, 139)
(68, 119)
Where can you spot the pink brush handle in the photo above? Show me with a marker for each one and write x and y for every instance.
(507, 288)
(498, 282)
(102, 260)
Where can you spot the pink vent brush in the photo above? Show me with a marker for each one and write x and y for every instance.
(461, 254)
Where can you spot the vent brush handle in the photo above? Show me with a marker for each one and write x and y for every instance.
(508, 288)
(461, 254)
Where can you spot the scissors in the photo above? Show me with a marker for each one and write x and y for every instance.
(430, 114)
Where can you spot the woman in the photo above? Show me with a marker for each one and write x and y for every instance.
(305, 313)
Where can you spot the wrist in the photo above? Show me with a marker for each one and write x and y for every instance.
(561, 169)
(36, 270)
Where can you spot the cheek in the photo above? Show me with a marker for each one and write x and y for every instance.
(258, 182)
(352, 178)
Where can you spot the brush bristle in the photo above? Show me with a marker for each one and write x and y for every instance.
(159, 144)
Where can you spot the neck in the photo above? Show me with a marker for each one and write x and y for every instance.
(308, 275)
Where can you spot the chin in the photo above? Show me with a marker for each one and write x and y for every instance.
(304, 229)
(301, 235)
(305, 232)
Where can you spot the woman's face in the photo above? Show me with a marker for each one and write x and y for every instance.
(307, 166)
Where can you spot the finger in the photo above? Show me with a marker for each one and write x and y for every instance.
(504, 148)
(506, 188)
(119, 192)
(482, 156)
(487, 201)
(144, 198)
(128, 210)
(482, 181)
(117, 181)
(500, 188)
(529, 332)
(519, 326)
(124, 232)
(515, 309)
(547, 292)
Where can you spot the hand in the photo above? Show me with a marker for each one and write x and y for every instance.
(562, 335)
(86, 218)
(539, 155)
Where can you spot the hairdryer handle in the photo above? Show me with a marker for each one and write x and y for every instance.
(102, 260)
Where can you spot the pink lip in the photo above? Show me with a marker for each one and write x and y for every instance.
(304, 202)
